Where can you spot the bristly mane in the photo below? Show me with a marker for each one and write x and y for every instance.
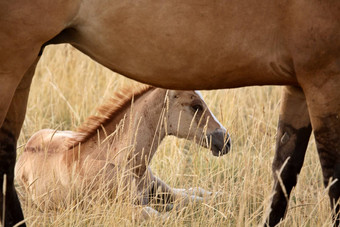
(120, 100)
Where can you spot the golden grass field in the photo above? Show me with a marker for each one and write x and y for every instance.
(68, 86)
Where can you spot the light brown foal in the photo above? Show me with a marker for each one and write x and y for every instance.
(123, 139)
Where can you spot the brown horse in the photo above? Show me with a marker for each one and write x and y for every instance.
(123, 139)
(193, 44)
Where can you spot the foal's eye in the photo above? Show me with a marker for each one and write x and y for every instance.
(197, 107)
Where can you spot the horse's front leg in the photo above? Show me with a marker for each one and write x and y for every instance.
(9, 133)
(293, 134)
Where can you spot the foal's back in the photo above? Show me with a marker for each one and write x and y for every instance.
(48, 140)
(41, 162)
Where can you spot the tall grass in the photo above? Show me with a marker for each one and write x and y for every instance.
(68, 86)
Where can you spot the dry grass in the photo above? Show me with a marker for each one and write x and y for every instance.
(68, 86)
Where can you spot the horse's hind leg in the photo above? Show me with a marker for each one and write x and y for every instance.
(9, 133)
(292, 139)
(323, 98)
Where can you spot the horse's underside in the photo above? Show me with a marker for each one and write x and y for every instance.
(190, 45)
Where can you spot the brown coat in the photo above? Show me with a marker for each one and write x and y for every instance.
(191, 44)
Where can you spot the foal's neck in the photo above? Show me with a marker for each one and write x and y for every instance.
(132, 137)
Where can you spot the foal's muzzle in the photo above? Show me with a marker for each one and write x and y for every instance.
(220, 143)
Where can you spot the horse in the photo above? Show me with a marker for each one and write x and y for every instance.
(117, 147)
(193, 44)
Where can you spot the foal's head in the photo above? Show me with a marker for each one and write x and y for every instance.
(189, 118)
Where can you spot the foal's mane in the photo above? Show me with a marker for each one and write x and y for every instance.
(109, 109)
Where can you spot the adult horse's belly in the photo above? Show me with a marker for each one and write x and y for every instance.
(187, 45)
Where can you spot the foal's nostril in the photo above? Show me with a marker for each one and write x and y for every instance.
(228, 140)
(220, 142)
(227, 144)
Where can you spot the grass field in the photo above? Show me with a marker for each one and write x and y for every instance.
(68, 86)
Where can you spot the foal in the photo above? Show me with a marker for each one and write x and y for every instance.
(123, 138)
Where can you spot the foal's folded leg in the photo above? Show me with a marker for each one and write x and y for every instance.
(163, 193)
(186, 197)
(197, 191)
(148, 212)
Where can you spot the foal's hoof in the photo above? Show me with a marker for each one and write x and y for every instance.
(165, 217)
(148, 212)
(218, 194)
(204, 193)
(164, 207)
(169, 207)
(198, 191)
